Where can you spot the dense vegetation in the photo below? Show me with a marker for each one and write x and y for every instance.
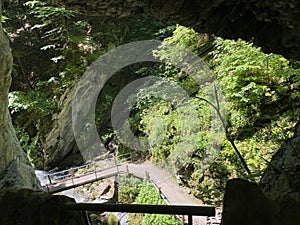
(52, 47)
(262, 94)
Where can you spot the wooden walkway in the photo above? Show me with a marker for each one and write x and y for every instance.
(162, 181)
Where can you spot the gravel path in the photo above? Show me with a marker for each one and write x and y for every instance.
(164, 182)
(175, 194)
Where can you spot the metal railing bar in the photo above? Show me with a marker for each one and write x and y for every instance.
(140, 208)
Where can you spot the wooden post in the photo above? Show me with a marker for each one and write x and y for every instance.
(190, 219)
(49, 178)
(159, 191)
(115, 160)
(95, 168)
(72, 172)
(127, 169)
(86, 217)
(72, 175)
(147, 175)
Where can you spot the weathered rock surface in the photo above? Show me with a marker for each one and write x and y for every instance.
(282, 177)
(273, 24)
(244, 203)
(27, 207)
(15, 170)
(60, 142)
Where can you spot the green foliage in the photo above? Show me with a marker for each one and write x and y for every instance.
(3, 19)
(134, 190)
(129, 188)
(261, 93)
(112, 220)
(254, 83)
(144, 27)
(29, 145)
(135, 219)
(148, 195)
(32, 101)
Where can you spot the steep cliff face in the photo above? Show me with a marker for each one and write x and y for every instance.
(60, 141)
(15, 170)
(273, 25)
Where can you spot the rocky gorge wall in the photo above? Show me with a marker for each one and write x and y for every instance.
(15, 170)
(273, 25)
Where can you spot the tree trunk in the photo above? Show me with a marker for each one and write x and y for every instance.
(15, 170)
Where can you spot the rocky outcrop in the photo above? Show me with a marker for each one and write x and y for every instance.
(15, 170)
(276, 200)
(282, 177)
(244, 203)
(6, 61)
(27, 207)
(60, 141)
(273, 25)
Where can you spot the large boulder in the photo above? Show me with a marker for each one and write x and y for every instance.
(244, 203)
(282, 177)
(26, 207)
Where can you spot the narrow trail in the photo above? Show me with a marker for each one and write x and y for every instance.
(174, 194)
(164, 182)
